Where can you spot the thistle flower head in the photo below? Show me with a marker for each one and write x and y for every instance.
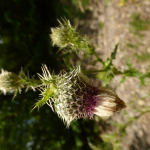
(9, 82)
(72, 96)
(64, 35)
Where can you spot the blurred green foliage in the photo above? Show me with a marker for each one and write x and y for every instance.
(145, 56)
(101, 25)
(139, 23)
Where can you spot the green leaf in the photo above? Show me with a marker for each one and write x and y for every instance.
(108, 62)
(47, 94)
(113, 54)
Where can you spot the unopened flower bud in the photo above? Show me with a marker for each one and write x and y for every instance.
(64, 35)
(9, 82)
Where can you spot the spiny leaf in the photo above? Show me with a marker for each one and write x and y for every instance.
(108, 62)
(47, 94)
(113, 54)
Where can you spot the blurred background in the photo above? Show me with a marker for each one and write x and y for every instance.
(25, 43)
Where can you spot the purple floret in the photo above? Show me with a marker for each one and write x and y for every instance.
(89, 102)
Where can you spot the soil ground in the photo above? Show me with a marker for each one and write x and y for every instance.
(109, 24)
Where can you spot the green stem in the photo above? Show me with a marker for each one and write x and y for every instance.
(114, 70)
(98, 58)
(93, 71)
(31, 82)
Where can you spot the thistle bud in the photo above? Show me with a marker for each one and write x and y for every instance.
(65, 36)
(73, 96)
(9, 82)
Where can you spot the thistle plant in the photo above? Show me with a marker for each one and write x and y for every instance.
(70, 94)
